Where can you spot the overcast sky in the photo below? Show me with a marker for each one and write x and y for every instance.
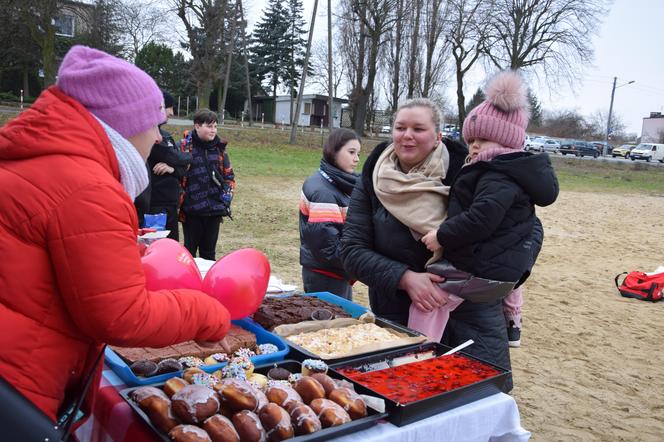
(629, 45)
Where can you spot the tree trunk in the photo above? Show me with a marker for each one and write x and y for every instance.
(203, 90)
(413, 50)
(461, 100)
(48, 55)
(397, 58)
(246, 60)
(26, 83)
(293, 132)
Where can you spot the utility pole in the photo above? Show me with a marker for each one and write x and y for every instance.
(608, 123)
(246, 61)
(330, 100)
(293, 131)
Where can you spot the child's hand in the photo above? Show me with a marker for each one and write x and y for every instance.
(431, 241)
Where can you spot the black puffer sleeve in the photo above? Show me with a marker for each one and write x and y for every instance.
(360, 259)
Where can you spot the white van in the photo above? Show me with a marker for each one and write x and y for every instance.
(648, 151)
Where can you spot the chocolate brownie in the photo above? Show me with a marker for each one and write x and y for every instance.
(236, 338)
(276, 311)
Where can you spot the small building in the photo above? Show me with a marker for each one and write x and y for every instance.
(314, 110)
(652, 130)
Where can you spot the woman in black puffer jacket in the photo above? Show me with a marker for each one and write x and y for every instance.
(323, 204)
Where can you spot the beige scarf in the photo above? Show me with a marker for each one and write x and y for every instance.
(418, 198)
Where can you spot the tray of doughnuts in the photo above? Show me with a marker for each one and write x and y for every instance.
(273, 402)
(137, 366)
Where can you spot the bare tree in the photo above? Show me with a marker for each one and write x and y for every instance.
(434, 57)
(142, 22)
(205, 24)
(320, 67)
(554, 35)
(394, 64)
(598, 122)
(466, 23)
(364, 26)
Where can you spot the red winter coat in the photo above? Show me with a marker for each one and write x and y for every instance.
(71, 275)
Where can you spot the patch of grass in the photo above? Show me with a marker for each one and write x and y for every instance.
(611, 177)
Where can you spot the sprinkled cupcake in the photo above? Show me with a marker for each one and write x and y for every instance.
(244, 353)
(233, 371)
(266, 349)
(190, 361)
(216, 358)
(311, 366)
(204, 379)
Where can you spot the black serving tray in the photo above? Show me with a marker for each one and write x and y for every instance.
(299, 354)
(294, 367)
(401, 415)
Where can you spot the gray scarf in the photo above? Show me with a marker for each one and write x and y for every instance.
(133, 172)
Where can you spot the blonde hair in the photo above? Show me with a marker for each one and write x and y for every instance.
(436, 114)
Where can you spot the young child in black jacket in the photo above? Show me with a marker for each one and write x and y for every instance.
(491, 230)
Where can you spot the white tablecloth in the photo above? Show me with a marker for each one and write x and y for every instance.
(494, 418)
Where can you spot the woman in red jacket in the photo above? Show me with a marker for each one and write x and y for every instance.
(71, 277)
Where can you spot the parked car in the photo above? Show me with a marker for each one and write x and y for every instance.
(386, 129)
(622, 151)
(648, 151)
(543, 145)
(599, 145)
(578, 148)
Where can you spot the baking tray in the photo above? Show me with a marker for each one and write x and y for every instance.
(298, 353)
(120, 367)
(401, 415)
(353, 309)
(372, 417)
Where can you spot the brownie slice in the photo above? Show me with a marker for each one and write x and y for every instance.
(276, 311)
(236, 338)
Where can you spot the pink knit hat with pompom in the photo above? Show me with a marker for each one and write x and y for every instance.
(114, 90)
(503, 116)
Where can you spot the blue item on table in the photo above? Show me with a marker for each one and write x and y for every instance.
(120, 367)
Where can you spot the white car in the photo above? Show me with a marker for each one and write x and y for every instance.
(386, 129)
(542, 145)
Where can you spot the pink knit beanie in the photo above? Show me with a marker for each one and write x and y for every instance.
(116, 91)
(503, 116)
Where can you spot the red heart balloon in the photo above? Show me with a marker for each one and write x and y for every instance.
(239, 281)
(168, 265)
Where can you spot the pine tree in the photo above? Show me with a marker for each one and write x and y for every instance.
(477, 99)
(269, 48)
(535, 110)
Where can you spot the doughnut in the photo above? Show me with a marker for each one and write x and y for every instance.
(220, 429)
(309, 389)
(195, 403)
(237, 395)
(329, 413)
(327, 382)
(173, 385)
(349, 401)
(277, 423)
(249, 426)
(303, 419)
(189, 433)
(282, 395)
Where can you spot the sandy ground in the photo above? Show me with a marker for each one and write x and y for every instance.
(591, 365)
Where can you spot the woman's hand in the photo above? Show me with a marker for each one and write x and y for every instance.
(162, 169)
(431, 241)
(423, 290)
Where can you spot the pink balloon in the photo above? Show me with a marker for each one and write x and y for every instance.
(168, 265)
(239, 281)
